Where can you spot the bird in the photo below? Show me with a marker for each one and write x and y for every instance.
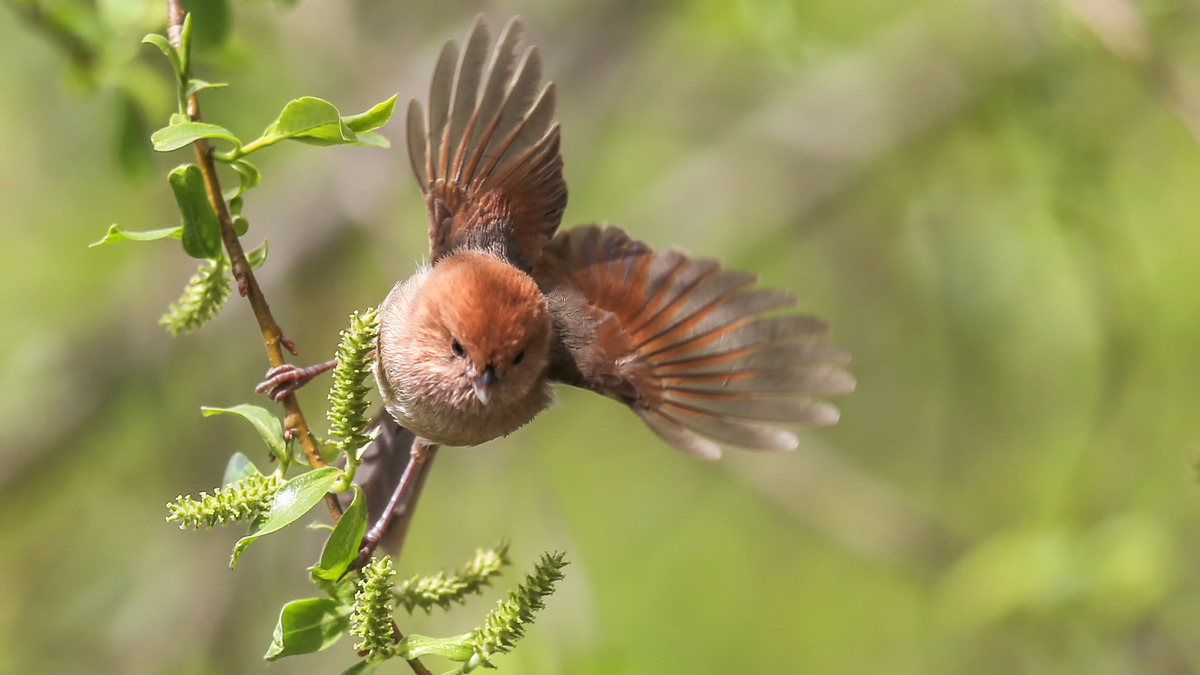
(470, 345)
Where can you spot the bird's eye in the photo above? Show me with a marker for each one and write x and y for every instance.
(520, 355)
(457, 347)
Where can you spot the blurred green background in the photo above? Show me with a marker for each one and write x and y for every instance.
(993, 202)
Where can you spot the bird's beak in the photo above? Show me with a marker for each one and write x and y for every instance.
(483, 384)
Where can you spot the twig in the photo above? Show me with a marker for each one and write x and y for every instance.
(247, 285)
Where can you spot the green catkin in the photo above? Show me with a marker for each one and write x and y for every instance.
(371, 617)
(240, 501)
(506, 623)
(426, 591)
(348, 396)
(204, 295)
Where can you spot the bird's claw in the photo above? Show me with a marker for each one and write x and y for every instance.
(284, 380)
(280, 381)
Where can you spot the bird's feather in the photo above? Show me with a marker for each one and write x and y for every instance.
(487, 157)
(703, 358)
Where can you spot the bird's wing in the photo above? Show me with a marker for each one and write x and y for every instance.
(698, 354)
(487, 158)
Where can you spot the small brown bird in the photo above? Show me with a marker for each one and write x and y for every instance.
(470, 345)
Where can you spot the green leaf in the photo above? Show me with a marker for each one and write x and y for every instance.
(315, 121)
(178, 134)
(372, 139)
(248, 177)
(308, 626)
(362, 668)
(267, 424)
(342, 546)
(201, 231)
(240, 225)
(258, 256)
(457, 648)
(238, 467)
(164, 45)
(342, 590)
(305, 116)
(325, 136)
(185, 47)
(195, 86)
(308, 119)
(115, 233)
(372, 119)
(291, 502)
(248, 173)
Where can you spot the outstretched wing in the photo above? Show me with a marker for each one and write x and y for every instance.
(701, 357)
(487, 158)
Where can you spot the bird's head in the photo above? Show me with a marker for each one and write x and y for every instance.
(487, 329)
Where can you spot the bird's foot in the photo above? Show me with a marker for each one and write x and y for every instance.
(284, 380)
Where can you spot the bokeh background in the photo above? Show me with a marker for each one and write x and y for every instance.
(994, 202)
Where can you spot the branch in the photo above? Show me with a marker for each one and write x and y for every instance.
(248, 286)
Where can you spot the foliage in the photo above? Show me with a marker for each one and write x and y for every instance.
(995, 213)
(359, 598)
(306, 119)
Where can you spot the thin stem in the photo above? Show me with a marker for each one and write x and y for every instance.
(243, 150)
(416, 665)
(248, 286)
(353, 461)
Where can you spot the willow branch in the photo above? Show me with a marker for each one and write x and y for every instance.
(248, 286)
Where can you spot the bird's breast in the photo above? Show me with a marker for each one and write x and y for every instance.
(459, 418)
